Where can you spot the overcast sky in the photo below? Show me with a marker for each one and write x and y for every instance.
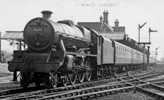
(16, 13)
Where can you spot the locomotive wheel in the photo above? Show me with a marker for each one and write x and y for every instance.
(88, 76)
(72, 78)
(107, 70)
(65, 80)
(81, 77)
(100, 73)
(53, 79)
(24, 79)
(37, 80)
(37, 83)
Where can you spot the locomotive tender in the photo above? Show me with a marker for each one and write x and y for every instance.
(62, 53)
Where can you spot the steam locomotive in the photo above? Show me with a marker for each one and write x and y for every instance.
(62, 53)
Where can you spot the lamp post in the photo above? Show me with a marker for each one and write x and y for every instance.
(139, 28)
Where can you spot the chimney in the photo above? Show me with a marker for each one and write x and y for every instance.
(105, 15)
(116, 23)
(46, 14)
(101, 19)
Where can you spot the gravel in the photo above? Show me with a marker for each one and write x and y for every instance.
(126, 96)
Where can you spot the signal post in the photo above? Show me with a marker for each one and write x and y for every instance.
(145, 43)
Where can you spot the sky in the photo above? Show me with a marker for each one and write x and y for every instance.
(16, 13)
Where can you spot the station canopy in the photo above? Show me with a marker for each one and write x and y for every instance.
(13, 35)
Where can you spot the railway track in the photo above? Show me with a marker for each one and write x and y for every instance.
(20, 91)
(130, 83)
(68, 92)
(116, 85)
(153, 90)
(12, 88)
(9, 85)
(17, 90)
(106, 89)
